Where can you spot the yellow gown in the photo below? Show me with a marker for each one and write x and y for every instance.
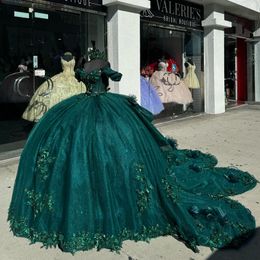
(47, 95)
(191, 79)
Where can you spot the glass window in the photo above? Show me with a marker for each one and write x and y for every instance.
(183, 55)
(42, 37)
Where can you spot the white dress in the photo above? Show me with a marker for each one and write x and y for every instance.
(47, 95)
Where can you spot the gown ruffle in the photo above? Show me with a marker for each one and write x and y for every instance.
(96, 172)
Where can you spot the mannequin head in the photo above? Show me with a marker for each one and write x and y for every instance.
(95, 54)
(96, 60)
(95, 64)
(162, 66)
(68, 63)
(142, 71)
(188, 61)
(149, 70)
(67, 56)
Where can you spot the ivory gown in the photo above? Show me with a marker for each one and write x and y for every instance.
(191, 79)
(46, 96)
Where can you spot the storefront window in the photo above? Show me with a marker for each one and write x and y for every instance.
(180, 84)
(37, 41)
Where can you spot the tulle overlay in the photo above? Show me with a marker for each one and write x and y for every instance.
(97, 177)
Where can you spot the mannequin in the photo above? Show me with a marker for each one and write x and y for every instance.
(191, 79)
(192, 82)
(51, 92)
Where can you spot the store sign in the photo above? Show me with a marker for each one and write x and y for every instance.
(88, 4)
(176, 12)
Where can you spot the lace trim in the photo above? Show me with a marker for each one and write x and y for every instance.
(83, 241)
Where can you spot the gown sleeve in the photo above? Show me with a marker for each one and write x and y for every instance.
(112, 74)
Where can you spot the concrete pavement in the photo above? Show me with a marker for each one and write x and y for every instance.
(234, 137)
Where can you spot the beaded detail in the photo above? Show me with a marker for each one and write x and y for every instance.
(171, 189)
(143, 192)
(44, 160)
(39, 202)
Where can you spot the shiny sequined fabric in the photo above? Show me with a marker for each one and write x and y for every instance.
(96, 172)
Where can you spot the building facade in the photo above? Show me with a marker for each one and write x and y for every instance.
(222, 37)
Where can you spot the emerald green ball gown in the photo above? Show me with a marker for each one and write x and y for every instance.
(96, 172)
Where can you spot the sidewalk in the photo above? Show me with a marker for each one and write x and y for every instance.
(234, 137)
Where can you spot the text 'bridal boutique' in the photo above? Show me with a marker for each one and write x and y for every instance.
(96, 172)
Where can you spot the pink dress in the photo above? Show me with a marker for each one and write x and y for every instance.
(171, 88)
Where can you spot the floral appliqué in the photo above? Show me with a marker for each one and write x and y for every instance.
(143, 192)
(44, 160)
(39, 202)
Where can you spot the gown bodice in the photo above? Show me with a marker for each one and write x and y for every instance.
(96, 75)
(191, 68)
(68, 67)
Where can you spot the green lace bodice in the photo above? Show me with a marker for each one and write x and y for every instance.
(97, 81)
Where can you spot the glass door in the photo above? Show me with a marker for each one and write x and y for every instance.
(163, 45)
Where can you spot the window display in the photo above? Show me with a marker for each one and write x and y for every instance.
(29, 42)
(173, 60)
(170, 86)
(54, 90)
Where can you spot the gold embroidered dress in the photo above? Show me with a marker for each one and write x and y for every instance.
(51, 92)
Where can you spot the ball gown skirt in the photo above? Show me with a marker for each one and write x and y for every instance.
(95, 172)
